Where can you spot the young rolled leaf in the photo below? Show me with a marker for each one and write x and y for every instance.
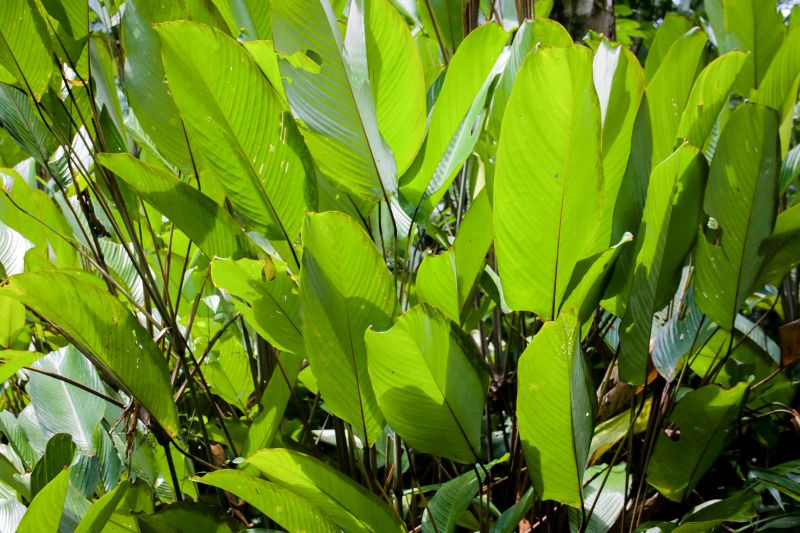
(703, 418)
(330, 92)
(741, 198)
(555, 410)
(209, 226)
(280, 504)
(345, 288)
(548, 183)
(107, 330)
(235, 126)
(453, 131)
(446, 280)
(667, 233)
(430, 384)
(349, 505)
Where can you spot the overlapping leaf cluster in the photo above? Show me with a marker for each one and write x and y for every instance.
(385, 265)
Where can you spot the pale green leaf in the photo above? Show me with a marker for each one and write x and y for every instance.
(430, 384)
(555, 410)
(548, 183)
(345, 288)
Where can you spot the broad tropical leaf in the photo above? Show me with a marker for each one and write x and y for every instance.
(605, 495)
(548, 183)
(426, 374)
(703, 418)
(44, 512)
(741, 199)
(235, 126)
(96, 518)
(290, 510)
(555, 410)
(330, 92)
(671, 216)
(345, 288)
(214, 231)
(24, 46)
(110, 333)
(452, 499)
(454, 126)
(349, 505)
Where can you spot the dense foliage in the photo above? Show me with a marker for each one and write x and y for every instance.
(390, 265)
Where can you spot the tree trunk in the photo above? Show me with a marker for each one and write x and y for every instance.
(581, 16)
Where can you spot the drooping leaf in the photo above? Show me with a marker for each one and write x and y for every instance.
(334, 100)
(554, 410)
(209, 226)
(667, 233)
(426, 374)
(24, 46)
(347, 504)
(235, 125)
(271, 305)
(703, 418)
(548, 183)
(446, 280)
(345, 288)
(111, 334)
(44, 512)
(741, 198)
(453, 129)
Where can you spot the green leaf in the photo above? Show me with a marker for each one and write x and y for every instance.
(236, 127)
(349, 505)
(107, 330)
(430, 384)
(44, 512)
(13, 248)
(395, 69)
(272, 306)
(446, 280)
(209, 226)
(449, 502)
(741, 197)
(98, 515)
(532, 33)
(247, 20)
(345, 288)
(709, 93)
(335, 102)
(554, 410)
(512, 516)
(58, 455)
(185, 516)
(12, 322)
(790, 169)
(605, 495)
(19, 118)
(64, 408)
(671, 29)
(780, 250)
(667, 233)
(274, 400)
(753, 26)
(454, 122)
(548, 177)
(619, 82)
(741, 507)
(444, 19)
(288, 509)
(703, 418)
(24, 46)
(148, 95)
(15, 360)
